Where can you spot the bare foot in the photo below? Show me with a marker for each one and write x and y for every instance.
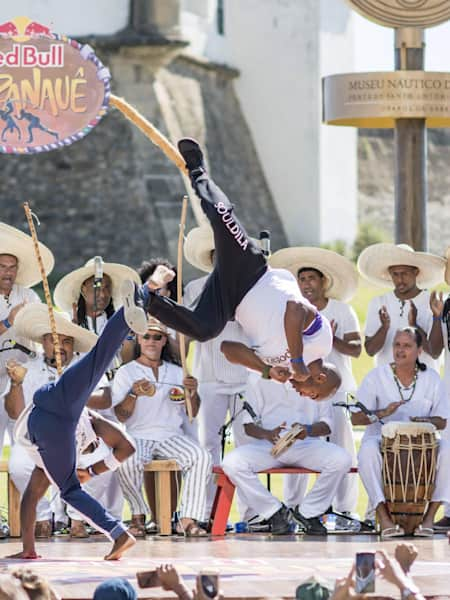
(121, 545)
(162, 275)
(25, 555)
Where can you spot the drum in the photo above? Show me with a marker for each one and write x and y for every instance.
(287, 440)
(409, 452)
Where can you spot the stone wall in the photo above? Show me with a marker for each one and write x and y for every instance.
(114, 193)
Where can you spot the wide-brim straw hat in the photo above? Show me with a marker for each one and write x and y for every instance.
(199, 244)
(68, 289)
(340, 274)
(19, 244)
(33, 322)
(374, 263)
(155, 325)
(447, 266)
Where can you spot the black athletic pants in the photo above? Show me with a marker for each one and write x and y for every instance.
(239, 263)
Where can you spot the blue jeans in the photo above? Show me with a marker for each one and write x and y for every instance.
(54, 418)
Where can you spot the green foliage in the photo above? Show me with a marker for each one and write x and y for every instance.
(338, 246)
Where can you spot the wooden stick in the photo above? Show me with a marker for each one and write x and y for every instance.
(181, 337)
(150, 131)
(48, 297)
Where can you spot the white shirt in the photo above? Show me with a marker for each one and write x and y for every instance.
(210, 364)
(398, 312)
(18, 295)
(154, 417)
(347, 322)
(261, 315)
(275, 403)
(446, 358)
(378, 389)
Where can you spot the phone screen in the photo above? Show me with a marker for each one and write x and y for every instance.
(365, 572)
(148, 579)
(209, 584)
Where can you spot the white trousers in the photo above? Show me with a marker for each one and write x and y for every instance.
(346, 498)
(6, 425)
(216, 402)
(445, 435)
(243, 464)
(20, 469)
(370, 470)
(192, 458)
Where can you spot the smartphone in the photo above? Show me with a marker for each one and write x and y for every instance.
(365, 572)
(147, 579)
(208, 584)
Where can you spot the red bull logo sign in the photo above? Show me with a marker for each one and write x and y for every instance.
(53, 90)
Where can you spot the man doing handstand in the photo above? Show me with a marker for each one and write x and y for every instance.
(289, 337)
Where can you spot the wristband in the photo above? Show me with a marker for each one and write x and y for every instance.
(132, 394)
(435, 318)
(6, 323)
(308, 429)
(91, 471)
(111, 462)
(265, 373)
(298, 361)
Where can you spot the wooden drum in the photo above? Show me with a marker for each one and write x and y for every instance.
(409, 452)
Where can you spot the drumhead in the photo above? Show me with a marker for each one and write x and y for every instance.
(390, 430)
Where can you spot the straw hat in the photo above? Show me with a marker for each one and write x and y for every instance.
(155, 325)
(340, 274)
(32, 322)
(375, 260)
(198, 245)
(19, 244)
(67, 291)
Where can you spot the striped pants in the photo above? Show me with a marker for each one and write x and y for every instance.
(194, 460)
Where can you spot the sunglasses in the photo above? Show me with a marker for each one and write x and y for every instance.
(157, 337)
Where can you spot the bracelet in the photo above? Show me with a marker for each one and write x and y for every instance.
(265, 373)
(435, 318)
(298, 361)
(308, 429)
(111, 462)
(6, 323)
(131, 394)
(91, 471)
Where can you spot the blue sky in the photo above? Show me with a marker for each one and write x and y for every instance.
(374, 47)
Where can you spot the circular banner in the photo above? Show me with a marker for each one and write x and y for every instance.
(53, 90)
(404, 13)
(378, 99)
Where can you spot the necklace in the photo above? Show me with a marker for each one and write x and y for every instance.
(401, 388)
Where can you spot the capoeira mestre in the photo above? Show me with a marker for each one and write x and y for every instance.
(51, 428)
(289, 337)
(329, 281)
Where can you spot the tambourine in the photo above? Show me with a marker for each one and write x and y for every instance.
(146, 388)
(287, 440)
(176, 395)
(16, 370)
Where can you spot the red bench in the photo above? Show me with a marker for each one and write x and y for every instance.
(225, 493)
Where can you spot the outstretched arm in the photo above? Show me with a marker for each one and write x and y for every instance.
(240, 354)
(294, 323)
(36, 488)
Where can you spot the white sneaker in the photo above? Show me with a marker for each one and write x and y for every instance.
(135, 315)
